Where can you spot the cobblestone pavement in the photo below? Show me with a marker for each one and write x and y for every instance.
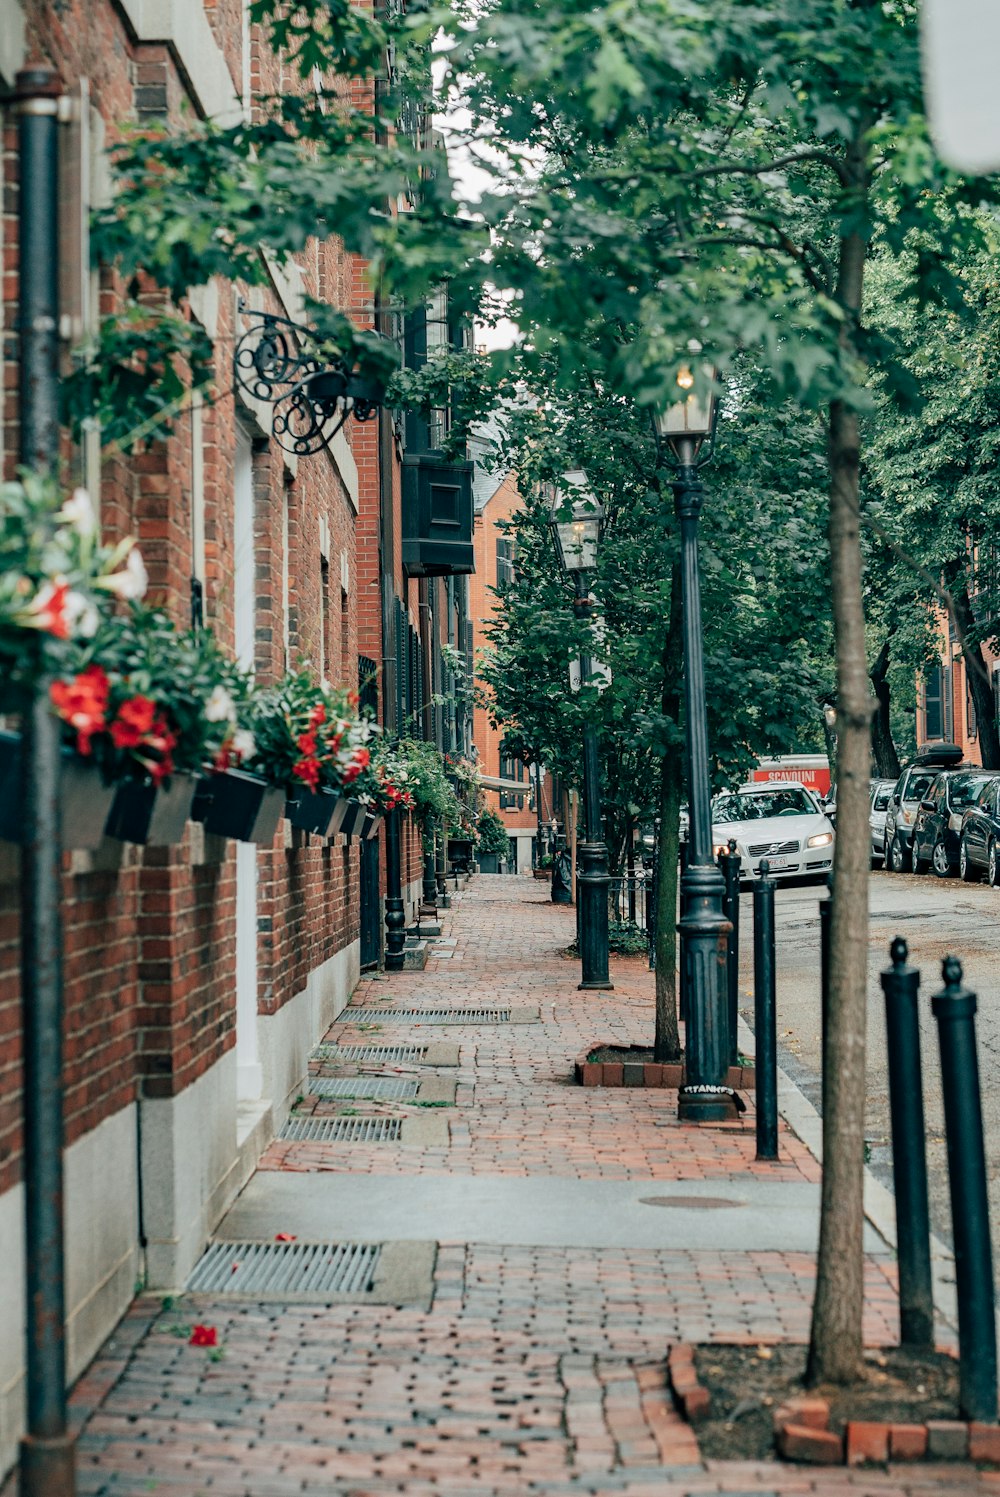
(535, 1370)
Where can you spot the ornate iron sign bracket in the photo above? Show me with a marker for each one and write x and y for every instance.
(312, 398)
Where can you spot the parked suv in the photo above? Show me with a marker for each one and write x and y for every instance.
(979, 846)
(881, 790)
(938, 827)
(904, 802)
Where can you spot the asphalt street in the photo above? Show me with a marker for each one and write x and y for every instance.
(937, 918)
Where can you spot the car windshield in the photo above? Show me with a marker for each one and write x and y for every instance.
(919, 784)
(881, 800)
(758, 805)
(962, 792)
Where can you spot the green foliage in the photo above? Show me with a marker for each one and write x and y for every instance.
(306, 734)
(427, 782)
(492, 835)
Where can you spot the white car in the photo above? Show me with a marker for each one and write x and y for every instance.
(783, 823)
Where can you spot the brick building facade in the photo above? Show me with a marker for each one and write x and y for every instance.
(511, 785)
(199, 976)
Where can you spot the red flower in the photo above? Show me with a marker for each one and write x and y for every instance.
(134, 721)
(317, 715)
(354, 698)
(306, 743)
(350, 773)
(83, 703)
(204, 1335)
(50, 609)
(361, 757)
(307, 770)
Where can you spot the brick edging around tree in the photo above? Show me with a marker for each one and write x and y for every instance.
(647, 1073)
(802, 1433)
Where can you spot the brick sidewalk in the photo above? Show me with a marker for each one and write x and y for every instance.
(535, 1370)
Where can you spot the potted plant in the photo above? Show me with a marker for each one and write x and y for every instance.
(492, 841)
(309, 738)
(154, 706)
(57, 584)
(543, 868)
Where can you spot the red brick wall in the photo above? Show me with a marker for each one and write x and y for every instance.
(150, 949)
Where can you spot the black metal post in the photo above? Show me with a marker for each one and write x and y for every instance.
(441, 865)
(955, 1010)
(539, 837)
(764, 1016)
(593, 878)
(395, 914)
(704, 929)
(900, 984)
(731, 864)
(428, 904)
(46, 1454)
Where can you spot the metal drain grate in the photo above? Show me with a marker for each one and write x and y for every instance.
(426, 1015)
(286, 1270)
(382, 1088)
(374, 1054)
(343, 1130)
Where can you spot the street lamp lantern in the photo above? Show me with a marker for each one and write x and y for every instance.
(576, 516)
(688, 422)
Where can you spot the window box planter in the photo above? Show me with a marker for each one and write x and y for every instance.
(85, 798)
(233, 803)
(149, 816)
(354, 818)
(545, 873)
(341, 811)
(311, 810)
(372, 822)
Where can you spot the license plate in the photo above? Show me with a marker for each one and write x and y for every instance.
(777, 863)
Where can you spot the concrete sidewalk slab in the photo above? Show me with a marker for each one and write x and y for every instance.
(541, 1211)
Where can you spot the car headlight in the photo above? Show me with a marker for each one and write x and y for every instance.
(821, 839)
(906, 817)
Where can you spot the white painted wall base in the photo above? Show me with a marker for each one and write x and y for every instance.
(412, 895)
(101, 1217)
(285, 1039)
(189, 1160)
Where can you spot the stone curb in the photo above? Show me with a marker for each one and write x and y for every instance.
(647, 1073)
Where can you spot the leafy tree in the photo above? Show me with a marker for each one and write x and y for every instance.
(716, 171)
(765, 562)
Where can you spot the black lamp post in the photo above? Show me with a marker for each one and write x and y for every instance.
(576, 525)
(688, 428)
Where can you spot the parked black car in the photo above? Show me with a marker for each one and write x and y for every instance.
(938, 827)
(979, 847)
(910, 789)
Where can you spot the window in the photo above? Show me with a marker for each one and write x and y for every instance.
(511, 768)
(934, 704)
(505, 562)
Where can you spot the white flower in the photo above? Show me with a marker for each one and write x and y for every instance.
(78, 511)
(131, 583)
(220, 707)
(82, 615)
(244, 744)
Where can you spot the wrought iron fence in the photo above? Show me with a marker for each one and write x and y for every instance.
(632, 913)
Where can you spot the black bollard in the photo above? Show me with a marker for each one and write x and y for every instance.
(955, 1010)
(730, 863)
(764, 1016)
(900, 984)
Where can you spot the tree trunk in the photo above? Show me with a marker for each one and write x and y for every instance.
(883, 748)
(667, 1043)
(835, 1350)
(980, 686)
